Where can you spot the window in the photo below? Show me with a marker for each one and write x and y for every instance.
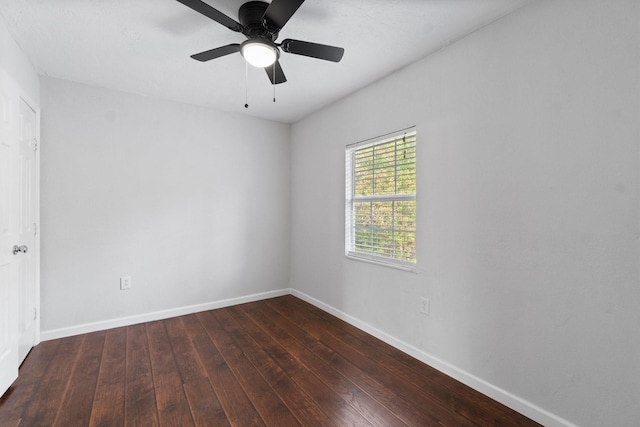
(380, 217)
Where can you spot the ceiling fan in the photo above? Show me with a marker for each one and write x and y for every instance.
(261, 22)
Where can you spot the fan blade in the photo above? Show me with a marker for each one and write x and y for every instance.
(314, 50)
(216, 15)
(280, 11)
(279, 74)
(208, 55)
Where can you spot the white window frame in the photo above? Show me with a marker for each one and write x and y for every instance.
(351, 199)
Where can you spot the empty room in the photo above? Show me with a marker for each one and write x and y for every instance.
(320, 213)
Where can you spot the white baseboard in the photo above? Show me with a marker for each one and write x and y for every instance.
(158, 315)
(508, 399)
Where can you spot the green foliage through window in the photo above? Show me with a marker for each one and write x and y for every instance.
(381, 198)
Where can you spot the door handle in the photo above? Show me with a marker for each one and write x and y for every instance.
(17, 249)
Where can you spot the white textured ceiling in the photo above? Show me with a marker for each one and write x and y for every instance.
(143, 46)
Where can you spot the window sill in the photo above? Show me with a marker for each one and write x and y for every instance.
(382, 262)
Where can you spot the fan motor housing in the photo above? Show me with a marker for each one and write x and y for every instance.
(251, 17)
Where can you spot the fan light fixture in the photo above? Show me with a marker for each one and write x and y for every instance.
(259, 53)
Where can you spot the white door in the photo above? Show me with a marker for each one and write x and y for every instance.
(18, 214)
(27, 228)
(8, 233)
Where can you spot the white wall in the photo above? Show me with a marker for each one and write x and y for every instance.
(528, 219)
(16, 64)
(191, 203)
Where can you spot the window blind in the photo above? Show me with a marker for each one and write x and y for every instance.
(380, 218)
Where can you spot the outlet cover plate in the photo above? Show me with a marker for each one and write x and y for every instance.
(424, 305)
(125, 283)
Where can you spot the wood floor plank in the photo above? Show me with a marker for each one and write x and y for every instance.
(266, 401)
(275, 362)
(140, 396)
(205, 406)
(237, 406)
(301, 405)
(173, 408)
(11, 421)
(465, 400)
(387, 397)
(108, 403)
(46, 401)
(331, 404)
(187, 361)
(78, 399)
(403, 407)
(14, 401)
(416, 396)
(368, 407)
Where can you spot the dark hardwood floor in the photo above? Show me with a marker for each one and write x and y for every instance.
(279, 362)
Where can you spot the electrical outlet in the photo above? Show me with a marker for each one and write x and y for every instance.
(125, 283)
(424, 306)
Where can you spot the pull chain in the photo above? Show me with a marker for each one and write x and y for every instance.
(246, 84)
